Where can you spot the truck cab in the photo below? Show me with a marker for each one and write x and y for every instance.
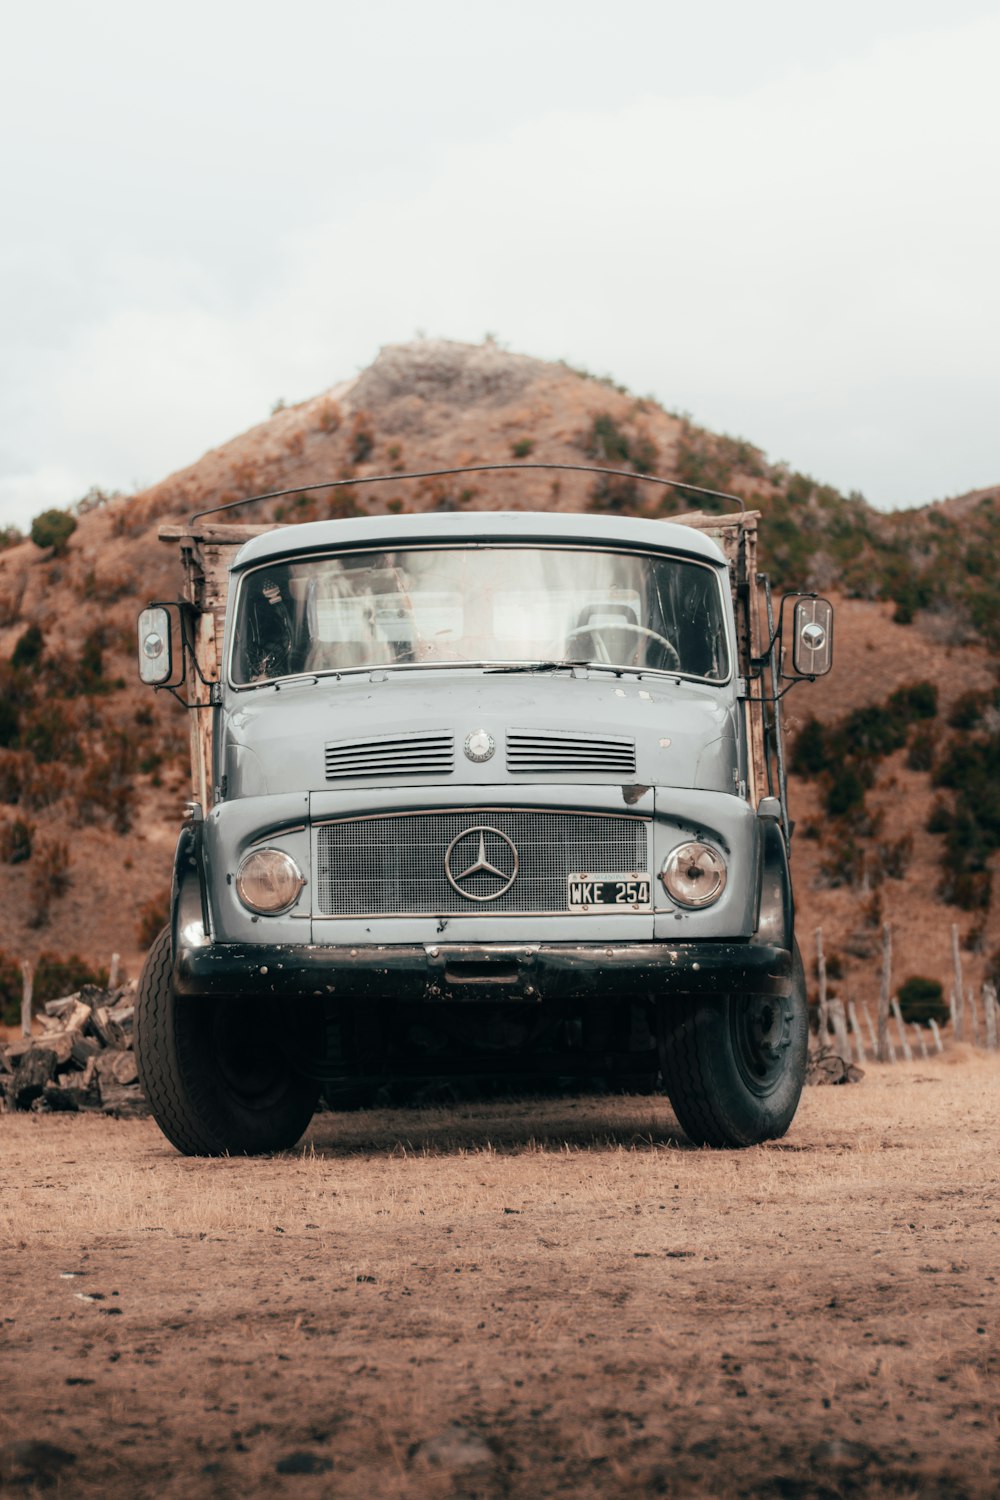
(475, 794)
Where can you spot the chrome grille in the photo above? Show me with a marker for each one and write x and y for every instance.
(566, 754)
(395, 865)
(401, 755)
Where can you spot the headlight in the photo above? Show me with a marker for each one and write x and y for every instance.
(269, 881)
(694, 875)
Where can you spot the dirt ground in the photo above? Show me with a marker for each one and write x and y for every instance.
(513, 1300)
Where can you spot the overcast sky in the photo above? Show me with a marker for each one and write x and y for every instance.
(780, 217)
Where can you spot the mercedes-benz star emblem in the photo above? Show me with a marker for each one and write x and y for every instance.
(481, 863)
(479, 745)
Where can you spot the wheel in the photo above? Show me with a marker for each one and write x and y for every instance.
(734, 1065)
(215, 1079)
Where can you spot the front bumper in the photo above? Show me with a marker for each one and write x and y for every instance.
(462, 972)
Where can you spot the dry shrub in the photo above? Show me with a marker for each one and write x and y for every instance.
(361, 441)
(131, 519)
(614, 495)
(893, 858)
(106, 787)
(12, 598)
(10, 719)
(154, 915)
(343, 505)
(39, 786)
(12, 775)
(244, 475)
(10, 990)
(948, 624)
(49, 733)
(108, 588)
(844, 862)
(50, 879)
(922, 999)
(16, 841)
(28, 649)
(329, 417)
(171, 501)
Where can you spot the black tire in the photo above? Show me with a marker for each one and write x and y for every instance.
(734, 1065)
(215, 1080)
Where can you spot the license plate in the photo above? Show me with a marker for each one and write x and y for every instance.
(628, 892)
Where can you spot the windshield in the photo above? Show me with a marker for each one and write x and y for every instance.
(431, 606)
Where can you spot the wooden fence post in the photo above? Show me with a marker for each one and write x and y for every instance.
(990, 1015)
(821, 973)
(958, 994)
(27, 990)
(839, 1019)
(919, 1031)
(871, 1028)
(116, 959)
(856, 1028)
(884, 1044)
(901, 1029)
(939, 1045)
(973, 1013)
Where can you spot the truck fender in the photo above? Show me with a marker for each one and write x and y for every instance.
(189, 917)
(776, 907)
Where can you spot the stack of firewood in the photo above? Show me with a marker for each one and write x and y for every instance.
(827, 1064)
(82, 1059)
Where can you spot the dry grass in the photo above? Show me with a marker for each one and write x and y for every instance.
(612, 1312)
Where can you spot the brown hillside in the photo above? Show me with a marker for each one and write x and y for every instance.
(97, 766)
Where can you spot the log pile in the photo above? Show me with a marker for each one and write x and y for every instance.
(827, 1064)
(82, 1060)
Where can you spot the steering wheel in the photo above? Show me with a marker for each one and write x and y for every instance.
(644, 630)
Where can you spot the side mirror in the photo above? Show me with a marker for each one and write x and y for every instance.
(156, 655)
(812, 636)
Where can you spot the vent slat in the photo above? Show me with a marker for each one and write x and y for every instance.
(563, 753)
(416, 754)
(574, 754)
(408, 760)
(555, 739)
(611, 765)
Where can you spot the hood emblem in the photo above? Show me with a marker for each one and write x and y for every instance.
(481, 863)
(479, 745)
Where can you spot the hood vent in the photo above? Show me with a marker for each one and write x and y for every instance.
(549, 753)
(398, 756)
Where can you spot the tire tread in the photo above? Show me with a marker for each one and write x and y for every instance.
(178, 1081)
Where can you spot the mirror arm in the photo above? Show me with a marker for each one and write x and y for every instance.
(758, 663)
(778, 728)
(777, 697)
(191, 707)
(188, 615)
(777, 635)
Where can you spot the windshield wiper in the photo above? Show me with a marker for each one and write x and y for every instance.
(537, 666)
(555, 666)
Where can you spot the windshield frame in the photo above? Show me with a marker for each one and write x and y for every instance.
(526, 664)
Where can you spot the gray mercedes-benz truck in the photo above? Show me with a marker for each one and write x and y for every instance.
(475, 794)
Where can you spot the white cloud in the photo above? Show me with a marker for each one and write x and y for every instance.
(811, 264)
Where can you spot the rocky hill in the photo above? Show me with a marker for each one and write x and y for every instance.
(895, 755)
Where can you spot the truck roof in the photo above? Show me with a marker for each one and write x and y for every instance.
(480, 526)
